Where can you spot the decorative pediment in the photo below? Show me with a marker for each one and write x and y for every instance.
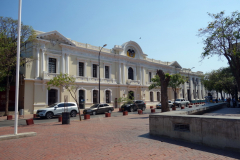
(132, 50)
(55, 38)
(175, 64)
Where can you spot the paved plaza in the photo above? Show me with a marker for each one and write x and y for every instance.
(122, 137)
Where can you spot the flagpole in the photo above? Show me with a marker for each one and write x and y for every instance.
(17, 68)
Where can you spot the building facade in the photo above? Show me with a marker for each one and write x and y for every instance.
(124, 69)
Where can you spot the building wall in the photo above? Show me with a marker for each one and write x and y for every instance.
(69, 53)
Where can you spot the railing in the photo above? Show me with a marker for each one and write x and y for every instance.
(133, 82)
(95, 80)
(49, 75)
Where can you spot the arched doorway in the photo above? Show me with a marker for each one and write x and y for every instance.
(52, 96)
(95, 96)
(130, 73)
(131, 95)
(81, 97)
(158, 96)
(108, 96)
(151, 96)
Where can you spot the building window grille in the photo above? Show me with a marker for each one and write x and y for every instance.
(52, 65)
(106, 71)
(130, 73)
(94, 70)
(81, 69)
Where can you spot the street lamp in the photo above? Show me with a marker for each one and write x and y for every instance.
(99, 71)
(190, 84)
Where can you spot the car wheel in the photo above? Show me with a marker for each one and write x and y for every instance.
(186, 105)
(131, 109)
(110, 111)
(73, 114)
(49, 115)
(143, 109)
(94, 112)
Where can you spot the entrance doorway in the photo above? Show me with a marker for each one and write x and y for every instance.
(81, 99)
(95, 96)
(52, 96)
(107, 96)
(131, 95)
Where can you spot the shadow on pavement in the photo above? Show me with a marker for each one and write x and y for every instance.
(199, 147)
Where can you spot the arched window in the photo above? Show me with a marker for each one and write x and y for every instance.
(52, 96)
(130, 73)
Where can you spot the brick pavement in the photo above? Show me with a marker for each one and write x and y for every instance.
(124, 137)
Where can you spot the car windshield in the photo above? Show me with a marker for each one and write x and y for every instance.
(52, 105)
(94, 106)
(178, 99)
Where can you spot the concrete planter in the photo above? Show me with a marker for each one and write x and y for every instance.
(125, 113)
(107, 114)
(29, 121)
(151, 107)
(86, 116)
(60, 119)
(9, 117)
(120, 109)
(174, 108)
(65, 118)
(190, 106)
(182, 107)
(152, 110)
(34, 116)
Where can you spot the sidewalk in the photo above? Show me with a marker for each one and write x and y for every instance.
(124, 137)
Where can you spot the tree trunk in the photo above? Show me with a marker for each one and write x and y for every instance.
(164, 84)
(7, 97)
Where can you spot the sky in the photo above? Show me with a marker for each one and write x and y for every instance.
(168, 28)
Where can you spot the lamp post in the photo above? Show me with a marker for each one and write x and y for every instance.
(190, 84)
(99, 71)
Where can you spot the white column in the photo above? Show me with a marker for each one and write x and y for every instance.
(140, 74)
(192, 87)
(124, 80)
(63, 63)
(185, 91)
(143, 77)
(119, 74)
(199, 90)
(67, 63)
(43, 60)
(135, 74)
(37, 64)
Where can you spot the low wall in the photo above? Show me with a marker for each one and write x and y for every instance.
(221, 131)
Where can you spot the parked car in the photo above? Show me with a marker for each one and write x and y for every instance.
(180, 102)
(159, 105)
(56, 109)
(134, 105)
(98, 108)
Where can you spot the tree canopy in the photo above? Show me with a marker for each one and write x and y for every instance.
(8, 51)
(221, 37)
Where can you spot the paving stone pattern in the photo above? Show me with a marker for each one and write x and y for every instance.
(125, 137)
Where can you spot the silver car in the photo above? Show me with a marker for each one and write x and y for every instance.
(56, 109)
(159, 105)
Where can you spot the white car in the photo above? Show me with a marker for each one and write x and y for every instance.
(56, 109)
(180, 102)
(159, 105)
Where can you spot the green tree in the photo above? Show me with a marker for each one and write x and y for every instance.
(221, 37)
(162, 80)
(175, 82)
(8, 51)
(68, 82)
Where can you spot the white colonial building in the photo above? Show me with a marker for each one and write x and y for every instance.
(124, 69)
